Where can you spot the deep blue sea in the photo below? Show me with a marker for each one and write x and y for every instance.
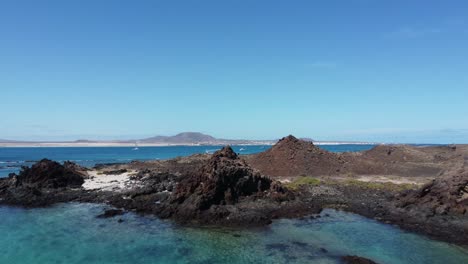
(71, 233)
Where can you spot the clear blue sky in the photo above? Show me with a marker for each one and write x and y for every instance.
(329, 70)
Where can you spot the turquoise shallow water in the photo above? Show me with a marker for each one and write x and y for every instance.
(70, 233)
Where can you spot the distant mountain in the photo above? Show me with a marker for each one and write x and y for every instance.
(8, 141)
(84, 141)
(185, 138)
(182, 138)
(196, 138)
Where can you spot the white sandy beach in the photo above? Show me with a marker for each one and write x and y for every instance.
(113, 182)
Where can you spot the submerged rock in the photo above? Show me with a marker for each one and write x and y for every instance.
(357, 260)
(111, 213)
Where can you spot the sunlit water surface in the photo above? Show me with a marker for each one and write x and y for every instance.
(71, 233)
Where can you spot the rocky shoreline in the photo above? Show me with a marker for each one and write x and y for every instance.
(292, 179)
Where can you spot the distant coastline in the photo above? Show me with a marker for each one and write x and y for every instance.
(181, 139)
(114, 144)
(125, 144)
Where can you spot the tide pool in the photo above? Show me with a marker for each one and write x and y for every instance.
(70, 233)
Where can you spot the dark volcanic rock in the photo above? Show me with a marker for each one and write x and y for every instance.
(357, 260)
(50, 174)
(223, 180)
(438, 209)
(111, 213)
(44, 183)
(224, 190)
(447, 195)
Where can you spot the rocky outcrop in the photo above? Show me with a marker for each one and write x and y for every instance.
(409, 153)
(222, 190)
(50, 174)
(292, 157)
(397, 153)
(409, 161)
(223, 180)
(438, 209)
(295, 157)
(44, 183)
(447, 195)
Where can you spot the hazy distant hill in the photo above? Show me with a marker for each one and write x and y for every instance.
(181, 138)
(84, 141)
(185, 138)
(7, 141)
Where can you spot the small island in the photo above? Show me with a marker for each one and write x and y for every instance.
(420, 189)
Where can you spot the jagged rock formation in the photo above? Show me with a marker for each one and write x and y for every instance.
(44, 183)
(220, 189)
(447, 195)
(223, 180)
(295, 157)
(438, 209)
(50, 174)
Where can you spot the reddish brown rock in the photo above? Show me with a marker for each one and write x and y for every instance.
(292, 157)
(295, 157)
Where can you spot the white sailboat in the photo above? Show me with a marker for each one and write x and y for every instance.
(136, 146)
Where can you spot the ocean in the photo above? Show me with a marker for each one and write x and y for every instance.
(71, 233)
(11, 159)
